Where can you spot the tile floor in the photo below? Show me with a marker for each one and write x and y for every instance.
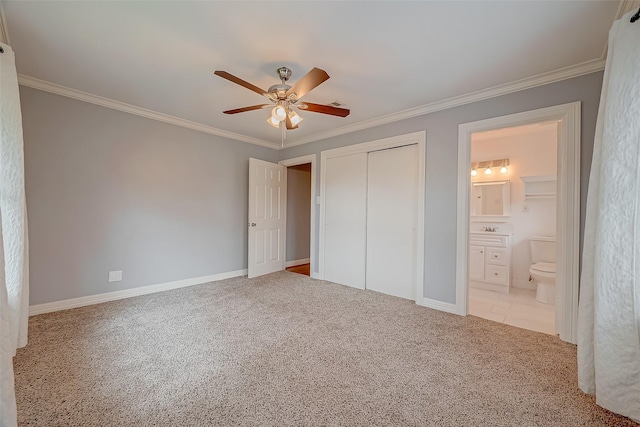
(518, 308)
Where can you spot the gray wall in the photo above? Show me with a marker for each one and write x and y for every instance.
(442, 157)
(298, 212)
(108, 190)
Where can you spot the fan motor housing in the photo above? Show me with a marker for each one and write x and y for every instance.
(279, 91)
(284, 73)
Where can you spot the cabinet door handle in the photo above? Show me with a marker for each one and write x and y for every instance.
(495, 274)
(481, 252)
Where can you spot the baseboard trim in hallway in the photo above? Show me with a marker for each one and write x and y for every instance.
(297, 262)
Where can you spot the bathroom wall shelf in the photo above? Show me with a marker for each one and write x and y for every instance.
(539, 186)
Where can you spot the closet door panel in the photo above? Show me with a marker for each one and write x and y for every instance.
(392, 218)
(345, 220)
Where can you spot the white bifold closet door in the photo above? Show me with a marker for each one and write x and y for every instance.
(345, 238)
(392, 221)
(371, 214)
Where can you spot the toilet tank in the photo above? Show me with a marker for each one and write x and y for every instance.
(543, 249)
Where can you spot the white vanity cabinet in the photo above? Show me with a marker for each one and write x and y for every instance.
(490, 261)
(476, 262)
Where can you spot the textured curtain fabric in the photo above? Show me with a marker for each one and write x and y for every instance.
(14, 281)
(609, 310)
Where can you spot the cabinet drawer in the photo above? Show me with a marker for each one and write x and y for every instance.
(496, 274)
(496, 256)
(488, 239)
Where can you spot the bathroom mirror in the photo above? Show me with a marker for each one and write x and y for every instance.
(490, 198)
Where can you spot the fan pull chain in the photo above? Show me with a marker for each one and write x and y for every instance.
(284, 135)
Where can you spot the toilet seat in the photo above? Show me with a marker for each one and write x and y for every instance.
(544, 267)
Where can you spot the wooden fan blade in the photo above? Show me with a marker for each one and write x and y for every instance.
(290, 125)
(243, 109)
(240, 82)
(324, 109)
(310, 80)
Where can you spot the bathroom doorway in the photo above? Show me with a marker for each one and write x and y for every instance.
(567, 186)
(512, 225)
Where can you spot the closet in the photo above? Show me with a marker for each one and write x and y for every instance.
(371, 220)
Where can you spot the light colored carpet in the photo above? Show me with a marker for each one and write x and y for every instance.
(288, 350)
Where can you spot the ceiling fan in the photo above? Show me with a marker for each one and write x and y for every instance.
(283, 97)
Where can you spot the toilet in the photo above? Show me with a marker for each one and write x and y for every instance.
(543, 267)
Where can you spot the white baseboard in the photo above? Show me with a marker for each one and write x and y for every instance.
(297, 262)
(315, 276)
(439, 305)
(128, 293)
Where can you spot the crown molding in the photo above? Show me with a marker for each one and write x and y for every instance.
(138, 111)
(587, 67)
(518, 85)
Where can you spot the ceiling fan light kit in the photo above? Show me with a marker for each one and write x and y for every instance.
(279, 113)
(273, 122)
(285, 97)
(295, 118)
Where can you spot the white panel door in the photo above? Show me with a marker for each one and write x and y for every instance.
(392, 221)
(345, 220)
(266, 217)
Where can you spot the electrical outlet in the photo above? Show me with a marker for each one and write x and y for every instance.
(115, 276)
(525, 208)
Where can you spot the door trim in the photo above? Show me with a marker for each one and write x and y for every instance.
(568, 206)
(311, 158)
(418, 138)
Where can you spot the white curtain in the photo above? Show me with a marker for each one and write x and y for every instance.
(609, 311)
(14, 263)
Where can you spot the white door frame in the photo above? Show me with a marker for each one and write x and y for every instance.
(568, 206)
(418, 138)
(311, 158)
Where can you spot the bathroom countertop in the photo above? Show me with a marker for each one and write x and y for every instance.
(495, 233)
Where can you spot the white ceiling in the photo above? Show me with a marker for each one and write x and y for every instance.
(513, 131)
(383, 57)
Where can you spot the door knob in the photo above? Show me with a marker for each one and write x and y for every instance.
(252, 224)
